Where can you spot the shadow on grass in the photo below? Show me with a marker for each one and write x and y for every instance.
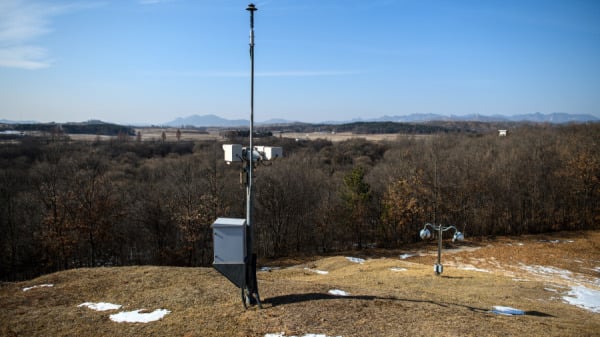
(297, 298)
(537, 314)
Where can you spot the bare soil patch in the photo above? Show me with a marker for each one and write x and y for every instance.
(386, 296)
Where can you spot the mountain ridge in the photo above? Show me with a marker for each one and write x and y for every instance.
(212, 120)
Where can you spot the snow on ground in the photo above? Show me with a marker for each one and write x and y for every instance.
(406, 256)
(585, 298)
(100, 306)
(338, 292)
(398, 269)
(306, 335)
(355, 259)
(320, 272)
(579, 295)
(269, 268)
(508, 311)
(548, 271)
(552, 273)
(471, 267)
(39, 286)
(137, 316)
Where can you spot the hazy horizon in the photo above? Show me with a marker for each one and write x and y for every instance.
(152, 61)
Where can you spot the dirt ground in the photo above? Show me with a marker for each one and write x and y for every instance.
(390, 293)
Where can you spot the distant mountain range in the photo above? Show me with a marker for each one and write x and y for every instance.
(6, 121)
(206, 120)
(216, 121)
(553, 118)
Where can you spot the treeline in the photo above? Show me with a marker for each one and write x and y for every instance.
(85, 204)
(94, 128)
(393, 127)
(390, 127)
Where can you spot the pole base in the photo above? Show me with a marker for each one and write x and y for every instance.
(438, 268)
(250, 295)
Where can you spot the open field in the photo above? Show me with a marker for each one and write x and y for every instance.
(342, 136)
(389, 293)
(171, 134)
(155, 134)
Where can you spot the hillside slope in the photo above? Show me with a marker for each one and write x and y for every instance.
(396, 295)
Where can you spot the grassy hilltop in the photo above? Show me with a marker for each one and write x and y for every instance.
(390, 293)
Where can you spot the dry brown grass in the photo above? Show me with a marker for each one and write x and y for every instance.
(382, 302)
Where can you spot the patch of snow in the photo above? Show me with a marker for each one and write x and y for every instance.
(355, 259)
(406, 256)
(306, 335)
(585, 298)
(552, 273)
(551, 290)
(398, 269)
(508, 311)
(473, 268)
(520, 280)
(137, 316)
(269, 268)
(39, 286)
(100, 306)
(548, 271)
(558, 241)
(596, 269)
(338, 292)
(320, 272)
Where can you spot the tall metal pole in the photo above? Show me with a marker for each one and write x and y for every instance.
(251, 8)
(440, 232)
(439, 255)
(252, 286)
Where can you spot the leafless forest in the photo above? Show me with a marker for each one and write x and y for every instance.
(67, 204)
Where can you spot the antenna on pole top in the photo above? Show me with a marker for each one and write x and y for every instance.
(251, 8)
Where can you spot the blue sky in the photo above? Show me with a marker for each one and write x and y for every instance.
(151, 61)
